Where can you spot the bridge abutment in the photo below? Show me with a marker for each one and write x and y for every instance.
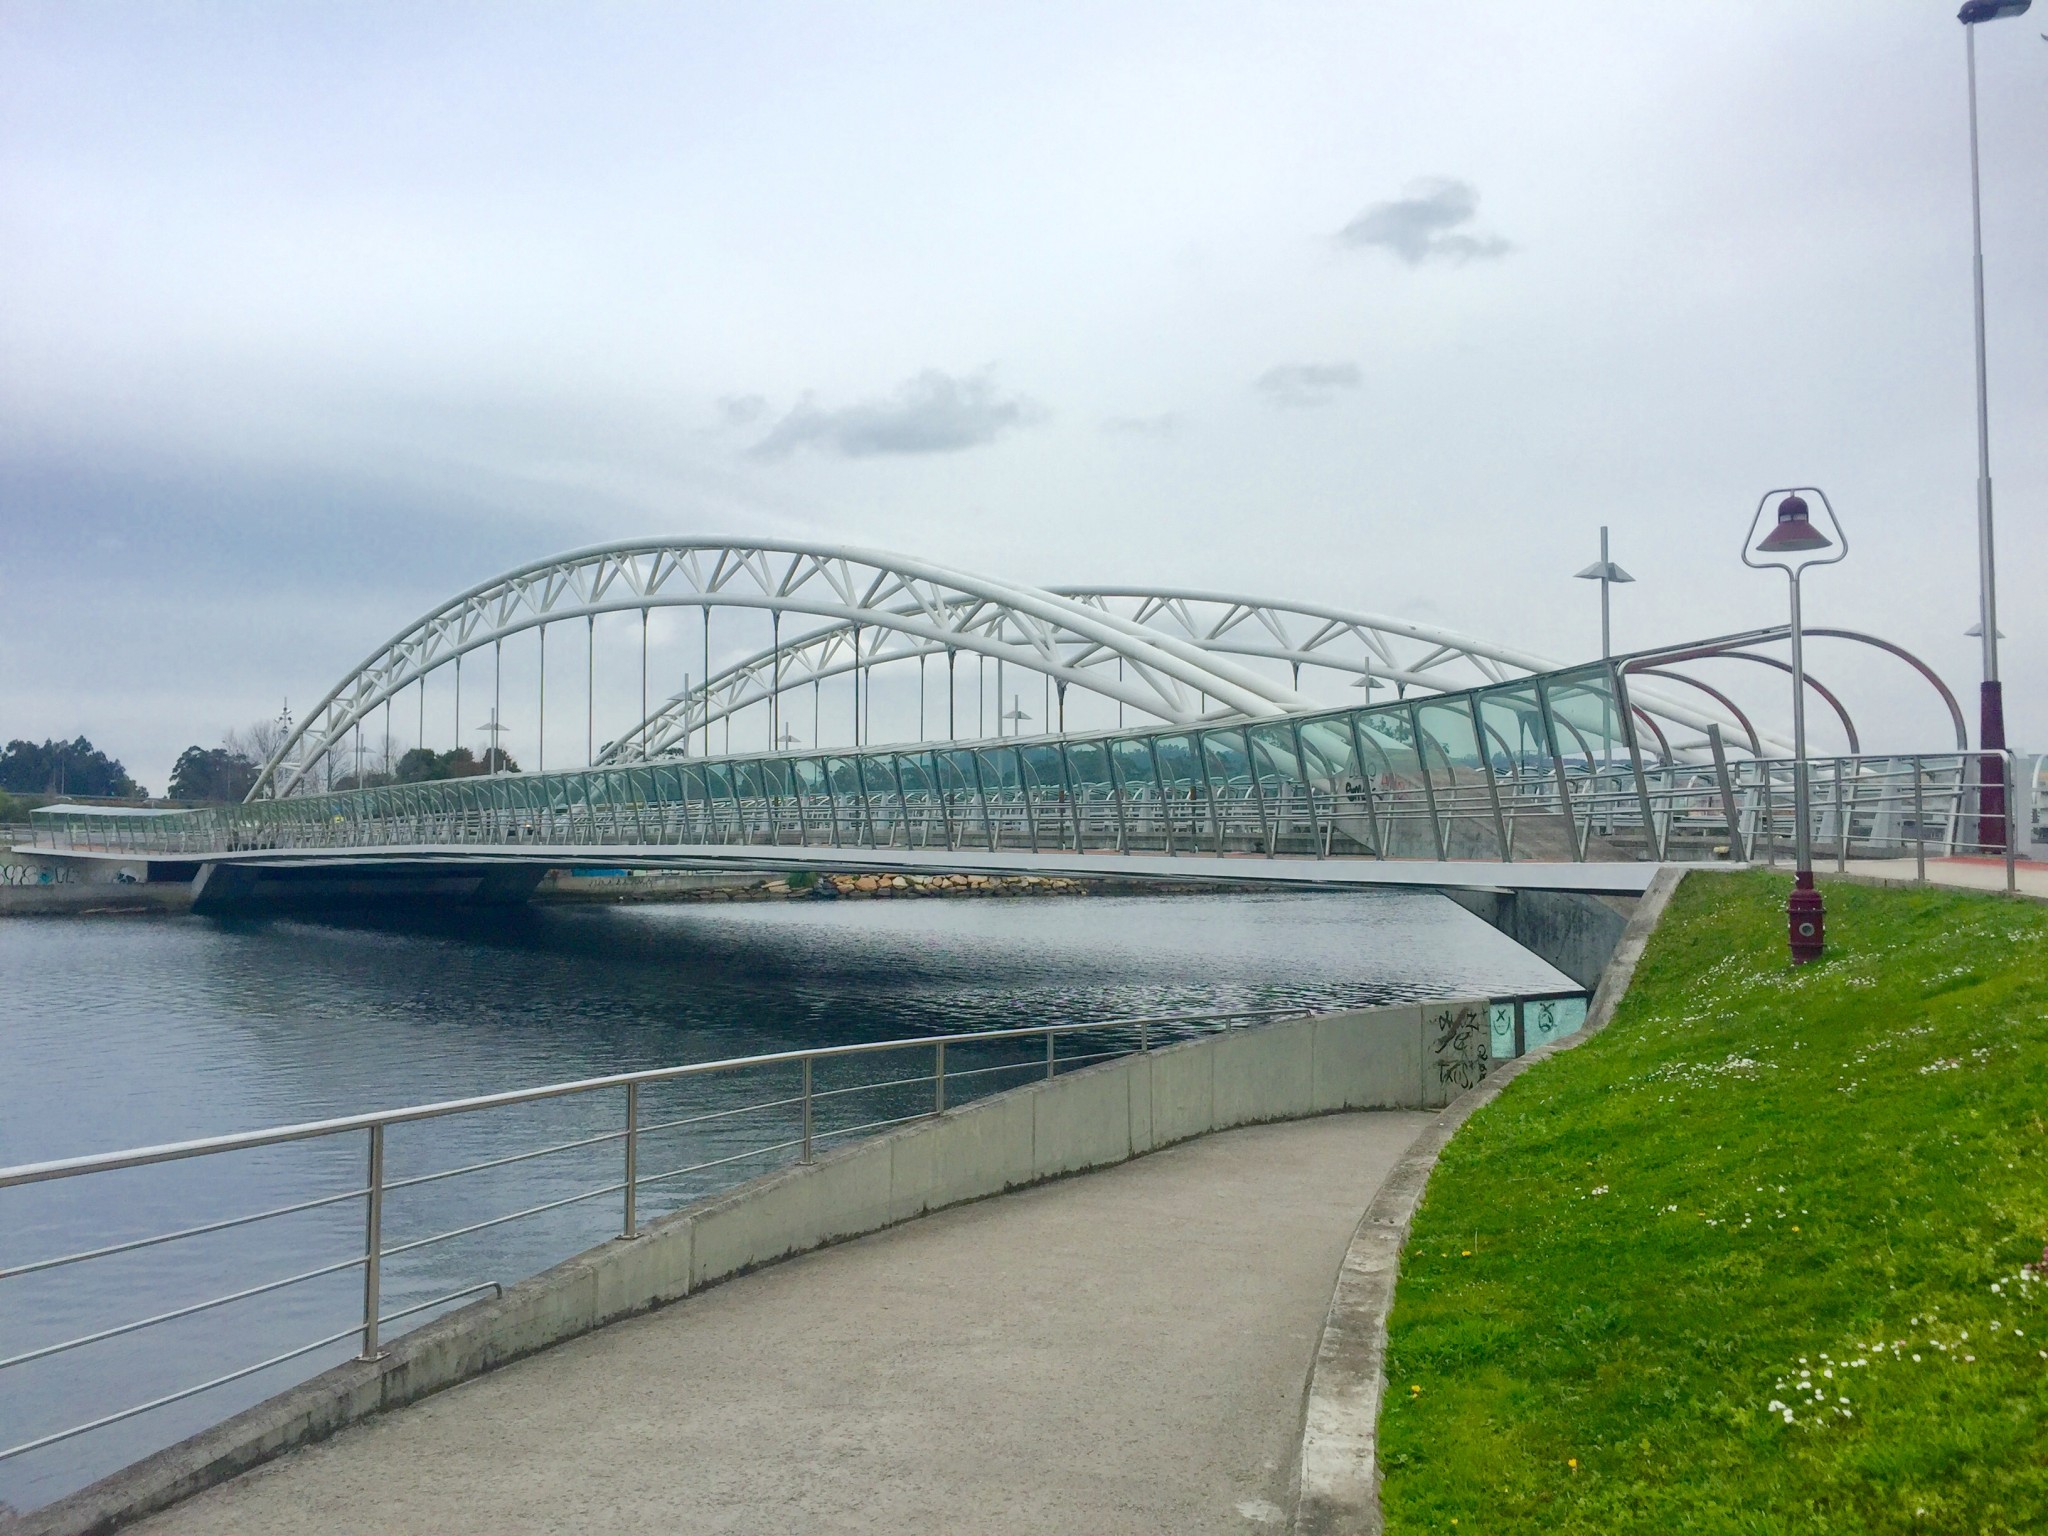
(1576, 933)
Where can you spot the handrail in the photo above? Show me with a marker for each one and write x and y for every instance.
(789, 1134)
(103, 1162)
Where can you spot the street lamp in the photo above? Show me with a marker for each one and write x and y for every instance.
(1991, 724)
(1792, 536)
(1607, 573)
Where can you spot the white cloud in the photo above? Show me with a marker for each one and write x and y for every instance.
(1426, 225)
(1307, 383)
(934, 412)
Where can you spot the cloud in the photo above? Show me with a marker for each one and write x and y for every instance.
(1424, 225)
(741, 410)
(1166, 424)
(935, 412)
(1307, 383)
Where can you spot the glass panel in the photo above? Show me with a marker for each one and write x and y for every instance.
(1180, 773)
(1451, 747)
(1239, 822)
(1592, 740)
(1518, 746)
(1388, 736)
(1340, 784)
(1095, 795)
(1143, 828)
(1285, 788)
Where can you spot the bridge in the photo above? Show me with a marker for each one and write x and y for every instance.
(1194, 737)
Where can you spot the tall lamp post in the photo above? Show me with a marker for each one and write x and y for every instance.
(1991, 725)
(1607, 573)
(1792, 536)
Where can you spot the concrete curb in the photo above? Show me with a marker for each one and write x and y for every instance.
(1337, 1481)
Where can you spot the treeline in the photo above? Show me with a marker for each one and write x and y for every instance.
(61, 768)
(220, 775)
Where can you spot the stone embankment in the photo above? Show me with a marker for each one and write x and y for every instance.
(887, 886)
(876, 887)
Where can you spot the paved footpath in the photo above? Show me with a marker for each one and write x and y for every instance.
(2030, 876)
(1125, 1351)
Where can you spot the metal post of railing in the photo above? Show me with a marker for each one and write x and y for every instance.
(1770, 808)
(373, 1242)
(807, 1110)
(939, 1080)
(1841, 822)
(1729, 808)
(1144, 1036)
(1048, 1053)
(1919, 823)
(632, 1225)
(2012, 824)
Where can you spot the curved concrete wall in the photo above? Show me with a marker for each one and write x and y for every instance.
(1405, 1057)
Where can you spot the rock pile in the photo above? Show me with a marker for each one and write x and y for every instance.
(885, 886)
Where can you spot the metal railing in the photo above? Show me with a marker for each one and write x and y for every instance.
(1590, 807)
(1867, 806)
(799, 1108)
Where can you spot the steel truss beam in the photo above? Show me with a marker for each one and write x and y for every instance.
(1162, 675)
(1372, 648)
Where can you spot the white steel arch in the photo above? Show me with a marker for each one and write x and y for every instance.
(1373, 648)
(933, 604)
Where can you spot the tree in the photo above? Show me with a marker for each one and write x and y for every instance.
(219, 774)
(64, 768)
(423, 763)
(260, 741)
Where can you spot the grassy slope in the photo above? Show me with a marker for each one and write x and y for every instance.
(1753, 1173)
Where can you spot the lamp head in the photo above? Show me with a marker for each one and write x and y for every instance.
(1793, 533)
(1975, 11)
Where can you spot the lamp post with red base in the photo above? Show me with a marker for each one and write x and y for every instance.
(1792, 536)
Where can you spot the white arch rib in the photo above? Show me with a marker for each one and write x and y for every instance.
(1372, 647)
(923, 601)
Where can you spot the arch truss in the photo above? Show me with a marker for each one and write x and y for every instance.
(1362, 650)
(891, 599)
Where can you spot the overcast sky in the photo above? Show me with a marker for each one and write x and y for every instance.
(311, 316)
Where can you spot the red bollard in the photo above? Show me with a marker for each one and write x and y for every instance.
(1806, 919)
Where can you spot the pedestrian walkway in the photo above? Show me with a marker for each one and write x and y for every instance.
(1124, 1351)
(2030, 876)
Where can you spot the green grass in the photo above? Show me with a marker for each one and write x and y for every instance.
(1754, 1173)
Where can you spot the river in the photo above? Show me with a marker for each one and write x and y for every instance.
(126, 1032)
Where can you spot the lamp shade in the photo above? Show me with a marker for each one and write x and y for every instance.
(1792, 532)
(1991, 10)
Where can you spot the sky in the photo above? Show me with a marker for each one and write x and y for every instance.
(312, 316)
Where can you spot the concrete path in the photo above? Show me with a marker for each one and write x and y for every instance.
(1122, 1351)
(2030, 875)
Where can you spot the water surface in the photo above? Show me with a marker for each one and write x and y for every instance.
(117, 1033)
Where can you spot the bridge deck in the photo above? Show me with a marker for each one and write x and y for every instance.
(1605, 879)
(1124, 1351)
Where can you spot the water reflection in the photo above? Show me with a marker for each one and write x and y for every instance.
(125, 1033)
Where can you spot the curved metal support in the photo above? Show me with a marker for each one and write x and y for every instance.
(1663, 741)
(1726, 645)
(1029, 627)
(1756, 746)
(1955, 710)
(1365, 645)
(1841, 713)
